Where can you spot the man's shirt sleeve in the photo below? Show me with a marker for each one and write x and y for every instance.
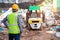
(20, 23)
(4, 21)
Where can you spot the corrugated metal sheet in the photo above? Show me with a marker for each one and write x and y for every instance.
(14, 1)
(19, 1)
(21, 5)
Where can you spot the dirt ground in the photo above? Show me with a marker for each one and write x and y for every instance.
(31, 35)
(38, 35)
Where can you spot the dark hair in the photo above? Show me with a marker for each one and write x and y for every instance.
(14, 10)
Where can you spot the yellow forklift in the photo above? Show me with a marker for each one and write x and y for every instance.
(34, 20)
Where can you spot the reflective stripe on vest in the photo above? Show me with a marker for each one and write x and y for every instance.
(13, 23)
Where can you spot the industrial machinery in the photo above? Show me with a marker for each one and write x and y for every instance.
(34, 21)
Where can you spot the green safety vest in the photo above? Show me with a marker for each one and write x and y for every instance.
(13, 23)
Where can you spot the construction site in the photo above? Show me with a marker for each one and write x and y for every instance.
(37, 19)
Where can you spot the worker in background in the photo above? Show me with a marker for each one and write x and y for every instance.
(13, 23)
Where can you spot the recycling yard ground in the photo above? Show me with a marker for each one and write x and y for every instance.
(31, 35)
(46, 11)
